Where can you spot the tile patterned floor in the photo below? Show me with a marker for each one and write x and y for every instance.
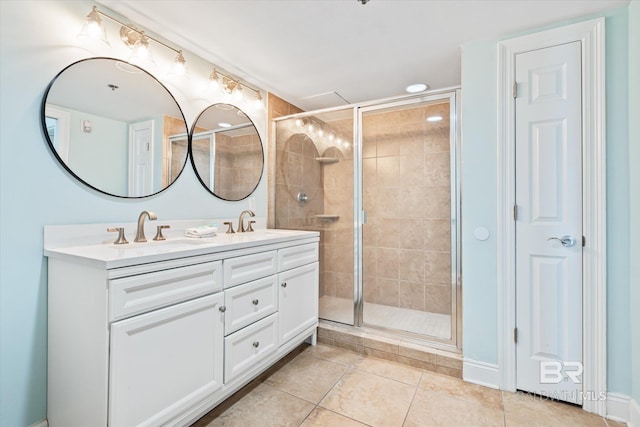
(333, 387)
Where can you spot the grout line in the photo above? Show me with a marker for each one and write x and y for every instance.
(413, 398)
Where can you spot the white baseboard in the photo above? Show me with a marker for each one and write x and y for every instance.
(617, 407)
(634, 414)
(481, 373)
(43, 423)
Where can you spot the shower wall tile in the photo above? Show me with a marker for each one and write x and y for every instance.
(344, 285)
(437, 267)
(329, 283)
(387, 145)
(411, 234)
(437, 169)
(369, 261)
(437, 236)
(412, 266)
(414, 199)
(387, 233)
(412, 168)
(438, 204)
(387, 291)
(412, 295)
(388, 169)
(438, 298)
(388, 262)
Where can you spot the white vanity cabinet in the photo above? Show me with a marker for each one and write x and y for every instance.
(298, 297)
(164, 362)
(161, 337)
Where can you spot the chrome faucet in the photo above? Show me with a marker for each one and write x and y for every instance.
(241, 228)
(140, 231)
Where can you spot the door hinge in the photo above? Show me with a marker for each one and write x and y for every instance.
(515, 89)
(584, 241)
(515, 335)
(515, 212)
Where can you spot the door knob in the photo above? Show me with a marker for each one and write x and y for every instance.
(566, 241)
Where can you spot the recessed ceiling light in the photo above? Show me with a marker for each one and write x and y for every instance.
(224, 125)
(416, 87)
(434, 118)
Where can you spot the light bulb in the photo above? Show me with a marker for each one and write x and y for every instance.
(93, 28)
(320, 132)
(214, 81)
(310, 127)
(180, 65)
(299, 122)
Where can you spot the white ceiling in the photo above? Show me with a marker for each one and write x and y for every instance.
(305, 50)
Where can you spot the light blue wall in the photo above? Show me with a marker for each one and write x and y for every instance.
(35, 190)
(99, 157)
(634, 191)
(479, 120)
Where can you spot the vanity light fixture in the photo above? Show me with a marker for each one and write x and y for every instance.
(224, 125)
(434, 118)
(132, 37)
(234, 87)
(416, 88)
(93, 27)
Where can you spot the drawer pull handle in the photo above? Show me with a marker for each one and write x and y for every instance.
(255, 302)
(284, 284)
(256, 344)
(222, 309)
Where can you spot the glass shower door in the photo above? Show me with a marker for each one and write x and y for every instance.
(409, 250)
(314, 189)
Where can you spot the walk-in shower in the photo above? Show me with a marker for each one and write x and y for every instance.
(379, 181)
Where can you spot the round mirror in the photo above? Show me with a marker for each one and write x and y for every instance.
(226, 152)
(115, 127)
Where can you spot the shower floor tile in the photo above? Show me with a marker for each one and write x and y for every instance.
(404, 319)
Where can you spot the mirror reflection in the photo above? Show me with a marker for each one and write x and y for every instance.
(115, 127)
(226, 152)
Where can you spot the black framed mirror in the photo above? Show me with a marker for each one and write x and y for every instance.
(226, 152)
(115, 127)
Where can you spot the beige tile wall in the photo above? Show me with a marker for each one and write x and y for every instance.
(329, 187)
(406, 180)
(407, 196)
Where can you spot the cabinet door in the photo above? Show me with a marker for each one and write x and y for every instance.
(297, 300)
(165, 361)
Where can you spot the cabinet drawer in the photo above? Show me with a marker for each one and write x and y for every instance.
(250, 302)
(296, 256)
(243, 269)
(247, 348)
(145, 292)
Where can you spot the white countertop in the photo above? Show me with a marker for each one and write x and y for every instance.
(110, 255)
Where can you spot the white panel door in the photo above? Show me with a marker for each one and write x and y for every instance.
(549, 222)
(141, 159)
(165, 362)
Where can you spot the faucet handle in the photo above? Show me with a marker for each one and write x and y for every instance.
(159, 235)
(250, 228)
(229, 225)
(121, 240)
